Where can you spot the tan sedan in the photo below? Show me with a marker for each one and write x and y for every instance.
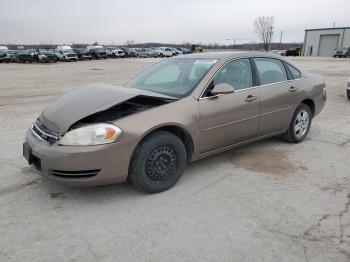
(180, 110)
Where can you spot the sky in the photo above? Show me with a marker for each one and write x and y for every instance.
(176, 22)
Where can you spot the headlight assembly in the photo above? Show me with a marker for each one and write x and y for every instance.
(95, 134)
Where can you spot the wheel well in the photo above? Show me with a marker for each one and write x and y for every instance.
(182, 134)
(310, 104)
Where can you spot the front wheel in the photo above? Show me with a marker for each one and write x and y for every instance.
(300, 124)
(158, 162)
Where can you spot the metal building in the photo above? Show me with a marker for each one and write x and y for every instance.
(323, 41)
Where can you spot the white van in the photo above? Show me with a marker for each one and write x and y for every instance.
(66, 53)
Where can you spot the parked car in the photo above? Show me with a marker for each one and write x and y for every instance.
(179, 51)
(128, 52)
(152, 52)
(97, 53)
(163, 52)
(83, 53)
(114, 52)
(279, 52)
(45, 56)
(293, 51)
(13, 55)
(4, 56)
(25, 56)
(144, 52)
(101, 134)
(174, 51)
(66, 54)
(185, 51)
(348, 89)
(342, 52)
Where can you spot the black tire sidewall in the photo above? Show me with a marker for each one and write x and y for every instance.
(292, 135)
(138, 174)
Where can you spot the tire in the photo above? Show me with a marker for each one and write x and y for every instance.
(158, 162)
(161, 55)
(300, 124)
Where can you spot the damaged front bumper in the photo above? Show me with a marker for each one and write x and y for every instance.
(79, 165)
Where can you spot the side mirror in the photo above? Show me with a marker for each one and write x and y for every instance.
(222, 89)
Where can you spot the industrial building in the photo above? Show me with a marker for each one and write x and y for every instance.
(323, 41)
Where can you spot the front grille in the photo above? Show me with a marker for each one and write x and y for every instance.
(43, 133)
(75, 174)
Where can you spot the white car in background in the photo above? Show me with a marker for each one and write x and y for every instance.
(164, 52)
(65, 53)
(174, 51)
(114, 52)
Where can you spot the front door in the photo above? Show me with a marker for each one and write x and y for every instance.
(228, 119)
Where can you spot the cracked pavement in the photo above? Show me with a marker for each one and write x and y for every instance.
(268, 201)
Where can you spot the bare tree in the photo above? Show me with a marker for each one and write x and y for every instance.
(263, 27)
(130, 42)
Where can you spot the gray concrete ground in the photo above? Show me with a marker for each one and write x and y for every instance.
(269, 201)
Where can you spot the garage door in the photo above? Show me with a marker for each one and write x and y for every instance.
(328, 43)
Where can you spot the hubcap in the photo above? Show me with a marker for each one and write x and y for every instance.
(160, 163)
(301, 124)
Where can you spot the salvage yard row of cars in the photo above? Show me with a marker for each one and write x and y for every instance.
(67, 53)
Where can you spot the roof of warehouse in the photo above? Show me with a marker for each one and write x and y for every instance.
(328, 28)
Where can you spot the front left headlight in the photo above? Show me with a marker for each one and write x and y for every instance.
(95, 134)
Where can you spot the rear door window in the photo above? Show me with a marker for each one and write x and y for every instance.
(270, 70)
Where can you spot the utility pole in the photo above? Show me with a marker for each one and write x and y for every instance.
(281, 38)
(270, 38)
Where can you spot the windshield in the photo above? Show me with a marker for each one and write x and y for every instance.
(173, 77)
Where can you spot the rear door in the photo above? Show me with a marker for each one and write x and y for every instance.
(228, 119)
(278, 95)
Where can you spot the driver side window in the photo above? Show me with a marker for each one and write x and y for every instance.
(237, 73)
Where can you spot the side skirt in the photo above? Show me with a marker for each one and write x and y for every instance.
(226, 148)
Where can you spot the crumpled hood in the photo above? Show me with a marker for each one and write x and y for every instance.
(60, 115)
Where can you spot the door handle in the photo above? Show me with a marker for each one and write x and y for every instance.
(250, 98)
(293, 89)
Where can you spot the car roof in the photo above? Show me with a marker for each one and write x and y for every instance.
(229, 55)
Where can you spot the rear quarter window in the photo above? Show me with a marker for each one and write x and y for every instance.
(295, 72)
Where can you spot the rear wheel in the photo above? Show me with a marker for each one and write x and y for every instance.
(300, 124)
(158, 162)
